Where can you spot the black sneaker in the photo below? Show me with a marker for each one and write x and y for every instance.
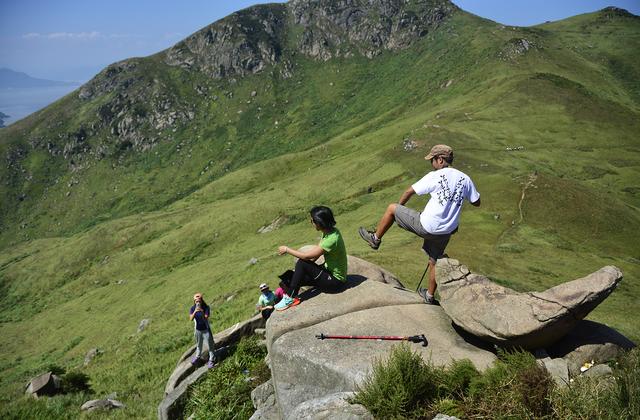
(429, 300)
(369, 238)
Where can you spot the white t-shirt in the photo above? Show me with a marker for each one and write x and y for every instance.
(448, 188)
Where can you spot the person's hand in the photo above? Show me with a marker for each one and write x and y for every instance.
(282, 250)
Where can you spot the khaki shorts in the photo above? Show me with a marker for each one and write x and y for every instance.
(434, 245)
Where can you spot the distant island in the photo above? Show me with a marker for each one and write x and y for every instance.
(10, 79)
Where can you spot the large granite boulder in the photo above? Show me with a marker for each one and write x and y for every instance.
(529, 320)
(305, 368)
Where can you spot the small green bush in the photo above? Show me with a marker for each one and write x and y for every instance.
(398, 386)
(457, 378)
(516, 386)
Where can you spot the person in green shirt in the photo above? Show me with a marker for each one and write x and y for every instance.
(329, 276)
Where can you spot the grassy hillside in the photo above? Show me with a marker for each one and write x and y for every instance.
(547, 128)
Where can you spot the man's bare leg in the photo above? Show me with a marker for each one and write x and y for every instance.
(432, 277)
(386, 221)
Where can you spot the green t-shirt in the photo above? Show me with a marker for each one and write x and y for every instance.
(335, 254)
(267, 300)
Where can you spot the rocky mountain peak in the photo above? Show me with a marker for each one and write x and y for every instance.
(248, 41)
(343, 27)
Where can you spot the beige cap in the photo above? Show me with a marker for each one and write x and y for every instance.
(197, 296)
(264, 286)
(440, 150)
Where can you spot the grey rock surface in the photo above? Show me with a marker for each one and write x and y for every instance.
(529, 320)
(264, 401)
(359, 268)
(441, 416)
(106, 404)
(330, 407)
(598, 371)
(304, 367)
(558, 370)
(321, 307)
(262, 395)
(590, 341)
(143, 324)
(91, 354)
(44, 384)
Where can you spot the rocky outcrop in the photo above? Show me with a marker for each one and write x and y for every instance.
(342, 28)
(264, 401)
(106, 404)
(243, 43)
(45, 384)
(529, 320)
(252, 39)
(314, 377)
(305, 368)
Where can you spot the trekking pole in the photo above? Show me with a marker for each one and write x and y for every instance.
(414, 338)
(422, 278)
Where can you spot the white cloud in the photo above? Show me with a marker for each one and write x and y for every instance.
(74, 35)
(93, 35)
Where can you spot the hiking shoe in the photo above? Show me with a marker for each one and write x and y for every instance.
(211, 364)
(369, 238)
(286, 303)
(429, 300)
(195, 360)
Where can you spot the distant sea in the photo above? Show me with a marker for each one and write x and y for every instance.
(17, 103)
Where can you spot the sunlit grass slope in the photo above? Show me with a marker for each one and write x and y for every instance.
(549, 134)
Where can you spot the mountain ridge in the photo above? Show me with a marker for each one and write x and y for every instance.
(97, 221)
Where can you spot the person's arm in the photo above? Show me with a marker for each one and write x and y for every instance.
(207, 312)
(476, 203)
(192, 315)
(311, 254)
(406, 195)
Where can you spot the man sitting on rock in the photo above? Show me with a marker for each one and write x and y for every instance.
(448, 187)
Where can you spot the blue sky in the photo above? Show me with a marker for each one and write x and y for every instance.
(74, 39)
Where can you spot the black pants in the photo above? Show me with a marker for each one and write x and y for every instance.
(266, 313)
(308, 273)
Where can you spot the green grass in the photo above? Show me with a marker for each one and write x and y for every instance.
(140, 232)
(515, 386)
(225, 393)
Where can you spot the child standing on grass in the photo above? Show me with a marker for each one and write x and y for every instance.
(199, 314)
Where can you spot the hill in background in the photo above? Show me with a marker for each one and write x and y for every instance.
(10, 79)
(154, 179)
